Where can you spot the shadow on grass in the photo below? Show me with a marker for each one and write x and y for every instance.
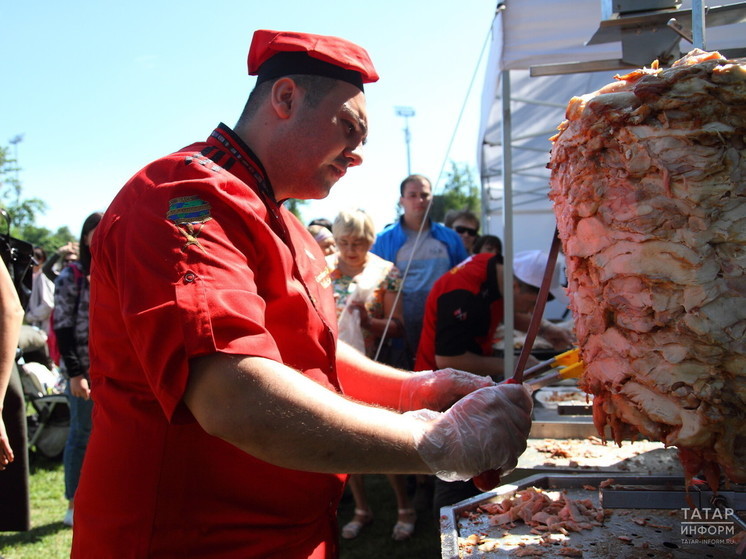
(39, 462)
(35, 535)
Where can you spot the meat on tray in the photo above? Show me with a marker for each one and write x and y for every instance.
(547, 514)
(535, 508)
(649, 189)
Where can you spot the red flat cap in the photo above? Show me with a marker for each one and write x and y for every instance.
(281, 53)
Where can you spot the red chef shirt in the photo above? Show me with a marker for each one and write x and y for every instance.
(193, 257)
(462, 312)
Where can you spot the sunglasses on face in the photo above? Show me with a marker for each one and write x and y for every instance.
(460, 229)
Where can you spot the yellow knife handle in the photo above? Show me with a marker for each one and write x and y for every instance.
(572, 371)
(568, 358)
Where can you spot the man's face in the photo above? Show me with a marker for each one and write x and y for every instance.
(467, 230)
(416, 198)
(524, 300)
(320, 143)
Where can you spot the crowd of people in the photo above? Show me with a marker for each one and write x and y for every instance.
(445, 316)
(240, 360)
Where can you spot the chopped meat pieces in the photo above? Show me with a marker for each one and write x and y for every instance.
(529, 551)
(649, 190)
(537, 509)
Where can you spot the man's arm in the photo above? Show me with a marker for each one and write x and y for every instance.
(479, 364)
(366, 380)
(560, 338)
(278, 415)
(472, 362)
(374, 383)
(11, 316)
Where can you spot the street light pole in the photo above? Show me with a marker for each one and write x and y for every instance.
(406, 112)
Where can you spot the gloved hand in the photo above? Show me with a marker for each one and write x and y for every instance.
(486, 430)
(437, 390)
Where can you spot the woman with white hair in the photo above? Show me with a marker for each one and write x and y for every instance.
(365, 289)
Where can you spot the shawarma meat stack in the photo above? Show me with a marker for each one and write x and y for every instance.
(649, 189)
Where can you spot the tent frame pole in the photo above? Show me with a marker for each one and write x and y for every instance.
(507, 172)
(699, 29)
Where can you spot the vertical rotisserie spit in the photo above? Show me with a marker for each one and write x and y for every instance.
(649, 190)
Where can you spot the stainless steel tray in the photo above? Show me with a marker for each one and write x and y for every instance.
(548, 423)
(651, 532)
(590, 455)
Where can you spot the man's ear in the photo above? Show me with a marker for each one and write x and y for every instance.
(284, 97)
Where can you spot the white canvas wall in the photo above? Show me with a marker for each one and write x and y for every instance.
(534, 32)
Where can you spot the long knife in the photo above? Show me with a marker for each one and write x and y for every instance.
(490, 479)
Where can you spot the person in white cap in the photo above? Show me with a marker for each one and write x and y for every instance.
(529, 267)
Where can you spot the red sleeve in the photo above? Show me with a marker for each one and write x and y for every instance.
(183, 289)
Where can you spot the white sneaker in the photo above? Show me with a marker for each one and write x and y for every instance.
(68, 520)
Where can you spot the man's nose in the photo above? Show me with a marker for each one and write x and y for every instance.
(355, 155)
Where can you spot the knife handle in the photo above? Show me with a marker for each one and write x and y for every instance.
(486, 481)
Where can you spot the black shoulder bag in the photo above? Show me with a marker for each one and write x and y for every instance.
(18, 256)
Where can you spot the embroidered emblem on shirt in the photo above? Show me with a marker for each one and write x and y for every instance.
(189, 214)
(459, 314)
(324, 278)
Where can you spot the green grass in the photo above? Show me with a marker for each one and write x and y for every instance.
(50, 539)
(375, 540)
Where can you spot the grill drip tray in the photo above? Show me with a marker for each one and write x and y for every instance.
(631, 532)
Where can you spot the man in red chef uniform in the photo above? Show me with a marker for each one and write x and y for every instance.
(227, 415)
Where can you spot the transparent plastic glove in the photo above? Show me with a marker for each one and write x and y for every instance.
(438, 390)
(486, 430)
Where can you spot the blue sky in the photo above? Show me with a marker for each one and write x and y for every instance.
(99, 89)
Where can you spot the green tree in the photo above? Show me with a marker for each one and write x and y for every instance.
(23, 212)
(49, 240)
(294, 206)
(460, 192)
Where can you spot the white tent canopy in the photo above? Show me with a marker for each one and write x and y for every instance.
(530, 33)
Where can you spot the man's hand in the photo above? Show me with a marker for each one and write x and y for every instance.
(560, 338)
(437, 390)
(486, 430)
(6, 453)
(70, 249)
(362, 313)
(79, 387)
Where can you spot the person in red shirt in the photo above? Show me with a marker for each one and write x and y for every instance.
(227, 416)
(465, 308)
